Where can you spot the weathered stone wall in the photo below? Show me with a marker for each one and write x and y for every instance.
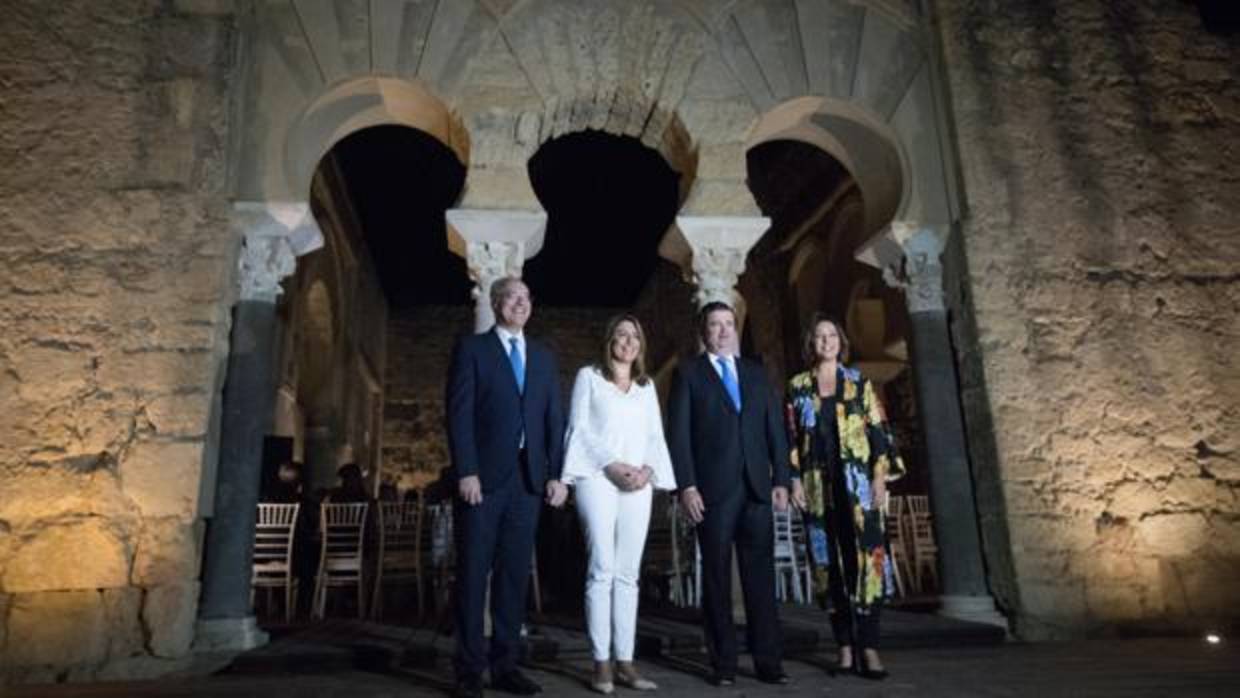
(1098, 148)
(115, 258)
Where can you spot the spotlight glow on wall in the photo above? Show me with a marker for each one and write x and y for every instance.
(1214, 639)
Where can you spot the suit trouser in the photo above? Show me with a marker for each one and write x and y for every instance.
(494, 538)
(748, 523)
(615, 524)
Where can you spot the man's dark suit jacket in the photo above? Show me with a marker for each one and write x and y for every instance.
(487, 413)
(712, 446)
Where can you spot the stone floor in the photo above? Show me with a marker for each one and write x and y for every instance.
(1140, 668)
(928, 656)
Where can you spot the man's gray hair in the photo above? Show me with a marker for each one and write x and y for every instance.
(500, 286)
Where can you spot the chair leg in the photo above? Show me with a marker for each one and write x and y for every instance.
(537, 590)
(417, 578)
(320, 596)
(376, 596)
(361, 598)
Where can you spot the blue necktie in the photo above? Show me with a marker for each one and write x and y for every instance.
(518, 364)
(729, 383)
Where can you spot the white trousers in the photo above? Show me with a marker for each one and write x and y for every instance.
(615, 525)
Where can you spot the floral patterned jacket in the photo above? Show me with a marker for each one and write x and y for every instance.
(866, 452)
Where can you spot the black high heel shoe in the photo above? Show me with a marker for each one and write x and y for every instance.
(838, 668)
(866, 672)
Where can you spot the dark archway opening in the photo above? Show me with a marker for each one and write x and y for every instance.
(609, 200)
(400, 181)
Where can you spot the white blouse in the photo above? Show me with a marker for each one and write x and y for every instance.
(607, 425)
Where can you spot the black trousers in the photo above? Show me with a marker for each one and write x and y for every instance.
(848, 626)
(496, 539)
(747, 523)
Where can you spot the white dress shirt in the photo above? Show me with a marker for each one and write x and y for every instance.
(506, 337)
(607, 425)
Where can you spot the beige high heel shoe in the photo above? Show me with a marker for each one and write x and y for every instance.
(626, 675)
(602, 681)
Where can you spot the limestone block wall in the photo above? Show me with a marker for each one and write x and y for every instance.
(115, 260)
(1098, 143)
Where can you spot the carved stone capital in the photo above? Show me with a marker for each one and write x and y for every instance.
(494, 244)
(264, 262)
(909, 254)
(711, 250)
(273, 235)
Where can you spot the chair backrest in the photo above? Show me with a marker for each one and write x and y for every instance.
(273, 532)
(919, 519)
(437, 539)
(660, 553)
(344, 527)
(783, 533)
(895, 517)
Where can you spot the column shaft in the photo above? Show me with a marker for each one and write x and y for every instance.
(248, 400)
(951, 483)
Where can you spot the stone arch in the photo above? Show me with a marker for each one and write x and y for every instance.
(871, 70)
(868, 149)
(619, 68)
(361, 103)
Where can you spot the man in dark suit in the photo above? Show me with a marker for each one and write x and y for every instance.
(730, 454)
(506, 434)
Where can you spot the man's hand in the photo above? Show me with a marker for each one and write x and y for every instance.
(798, 494)
(779, 497)
(470, 489)
(691, 502)
(557, 493)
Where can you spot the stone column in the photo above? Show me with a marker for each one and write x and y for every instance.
(909, 255)
(711, 251)
(494, 244)
(268, 254)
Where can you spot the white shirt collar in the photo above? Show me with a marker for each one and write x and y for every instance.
(714, 358)
(505, 336)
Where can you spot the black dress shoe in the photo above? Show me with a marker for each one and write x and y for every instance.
(516, 683)
(837, 669)
(721, 679)
(468, 687)
(773, 676)
(872, 674)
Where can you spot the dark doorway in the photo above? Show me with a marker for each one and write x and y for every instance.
(609, 200)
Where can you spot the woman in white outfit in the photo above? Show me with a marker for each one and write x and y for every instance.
(615, 457)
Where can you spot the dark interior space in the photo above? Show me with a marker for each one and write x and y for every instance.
(790, 180)
(609, 200)
(1220, 16)
(401, 181)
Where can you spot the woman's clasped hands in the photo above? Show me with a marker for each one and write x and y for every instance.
(628, 478)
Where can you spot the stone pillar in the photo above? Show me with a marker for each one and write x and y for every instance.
(711, 251)
(494, 244)
(268, 254)
(909, 255)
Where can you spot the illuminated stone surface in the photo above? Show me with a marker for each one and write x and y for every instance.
(1096, 153)
(1102, 246)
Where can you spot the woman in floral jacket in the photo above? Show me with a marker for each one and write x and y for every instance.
(844, 455)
